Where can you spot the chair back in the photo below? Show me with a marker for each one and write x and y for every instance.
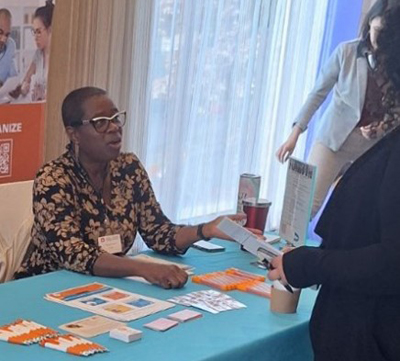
(16, 221)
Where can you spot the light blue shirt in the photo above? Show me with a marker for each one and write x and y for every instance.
(7, 62)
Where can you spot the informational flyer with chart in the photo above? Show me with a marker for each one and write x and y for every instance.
(109, 301)
(299, 193)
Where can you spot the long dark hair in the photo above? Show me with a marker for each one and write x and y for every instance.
(45, 13)
(377, 10)
(388, 40)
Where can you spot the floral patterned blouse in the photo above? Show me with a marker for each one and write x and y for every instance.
(70, 216)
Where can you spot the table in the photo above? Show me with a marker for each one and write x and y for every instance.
(253, 333)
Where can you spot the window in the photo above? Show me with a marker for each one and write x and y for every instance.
(226, 78)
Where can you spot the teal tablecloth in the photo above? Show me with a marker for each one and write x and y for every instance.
(253, 333)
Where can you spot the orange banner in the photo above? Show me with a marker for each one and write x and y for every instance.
(21, 141)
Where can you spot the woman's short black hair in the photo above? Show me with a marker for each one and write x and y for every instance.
(72, 106)
(388, 40)
(45, 13)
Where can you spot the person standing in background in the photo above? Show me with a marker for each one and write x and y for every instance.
(7, 47)
(356, 103)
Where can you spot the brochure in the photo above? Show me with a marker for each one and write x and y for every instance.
(91, 326)
(108, 301)
(299, 193)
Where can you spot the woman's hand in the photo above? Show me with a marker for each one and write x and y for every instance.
(166, 276)
(287, 148)
(277, 272)
(372, 131)
(211, 230)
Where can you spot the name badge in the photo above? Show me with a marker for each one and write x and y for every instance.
(111, 244)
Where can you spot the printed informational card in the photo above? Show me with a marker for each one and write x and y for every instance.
(161, 324)
(91, 326)
(299, 193)
(109, 301)
(184, 315)
(208, 300)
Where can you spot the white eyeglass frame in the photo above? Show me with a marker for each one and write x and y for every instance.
(94, 120)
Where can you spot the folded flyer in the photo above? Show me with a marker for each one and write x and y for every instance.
(108, 301)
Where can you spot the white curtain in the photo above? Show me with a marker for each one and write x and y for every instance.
(225, 80)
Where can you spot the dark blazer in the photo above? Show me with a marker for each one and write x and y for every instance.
(357, 313)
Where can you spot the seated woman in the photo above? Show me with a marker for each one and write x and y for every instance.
(90, 203)
(357, 312)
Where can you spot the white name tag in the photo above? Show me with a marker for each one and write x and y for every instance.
(111, 244)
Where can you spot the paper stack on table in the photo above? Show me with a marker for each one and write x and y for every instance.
(126, 334)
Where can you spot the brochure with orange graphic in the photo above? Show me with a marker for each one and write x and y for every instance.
(91, 326)
(108, 301)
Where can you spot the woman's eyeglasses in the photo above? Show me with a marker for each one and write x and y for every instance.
(101, 124)
(37, 32)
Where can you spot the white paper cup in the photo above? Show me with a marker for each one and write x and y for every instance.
(282, 301)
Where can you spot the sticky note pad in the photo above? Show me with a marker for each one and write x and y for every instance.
(161, 324)
(126, 334)
(185, 315)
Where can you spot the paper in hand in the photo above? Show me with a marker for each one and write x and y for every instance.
(248, 240)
